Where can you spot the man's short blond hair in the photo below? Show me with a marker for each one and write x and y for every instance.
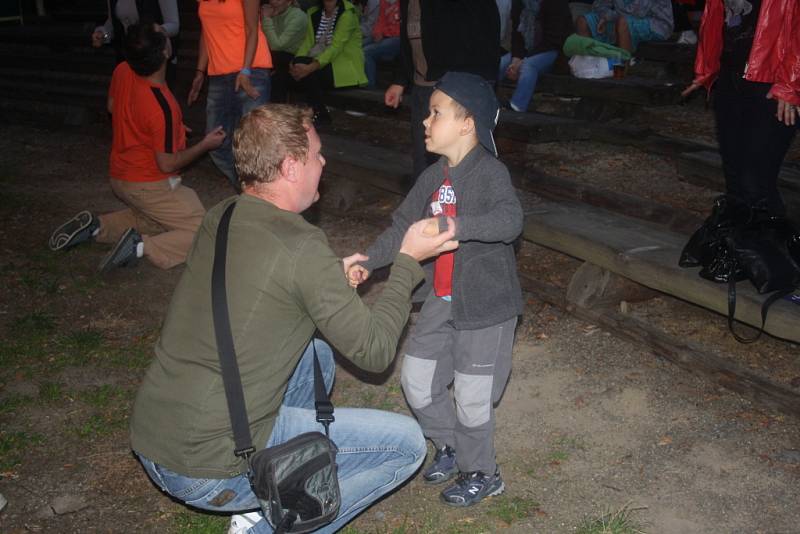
(265, 137)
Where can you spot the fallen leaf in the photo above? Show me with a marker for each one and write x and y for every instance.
(665, 440)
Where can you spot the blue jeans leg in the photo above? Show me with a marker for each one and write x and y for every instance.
(224, 107)
(377, 451)
(532, 67)
(386, 49)
(505, 61)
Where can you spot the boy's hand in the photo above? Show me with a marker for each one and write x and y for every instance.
(214, 138)
(355, 274)
(432, 227)
(393, 96)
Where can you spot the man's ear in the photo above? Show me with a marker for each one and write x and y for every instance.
(289, 169)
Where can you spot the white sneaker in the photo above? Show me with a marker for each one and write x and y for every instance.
(688, 37)
(241, 524)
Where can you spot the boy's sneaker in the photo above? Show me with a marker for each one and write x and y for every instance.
(241, 524)
(125, 252)
(443, 467)
(471, 488)
(78, 229)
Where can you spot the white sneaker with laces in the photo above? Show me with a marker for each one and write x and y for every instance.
(241, 524)
(688, 37)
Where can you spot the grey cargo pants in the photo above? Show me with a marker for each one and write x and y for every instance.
(477, 363)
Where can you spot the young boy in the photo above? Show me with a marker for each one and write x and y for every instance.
(465, 331)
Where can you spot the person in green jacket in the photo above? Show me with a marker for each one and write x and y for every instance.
(285, 26)
(331, 55)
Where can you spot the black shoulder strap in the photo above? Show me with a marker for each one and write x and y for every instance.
(237, 410)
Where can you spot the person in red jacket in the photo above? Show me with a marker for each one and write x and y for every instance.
(749, 53)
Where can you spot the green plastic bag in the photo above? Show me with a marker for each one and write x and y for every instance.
(577, 45)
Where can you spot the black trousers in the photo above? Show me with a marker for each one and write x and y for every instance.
(315, 85)
(281, 61)
(752, 142)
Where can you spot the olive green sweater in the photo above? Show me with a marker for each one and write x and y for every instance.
(283, 282)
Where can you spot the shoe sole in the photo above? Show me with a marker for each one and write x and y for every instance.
(63, 235)
(494, 493)
(106, 264)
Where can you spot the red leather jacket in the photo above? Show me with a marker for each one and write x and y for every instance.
(775, 56)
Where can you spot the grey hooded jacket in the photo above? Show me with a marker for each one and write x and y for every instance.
(486, 289)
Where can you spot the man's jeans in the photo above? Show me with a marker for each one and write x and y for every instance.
(529, 71)
(387, 49)
(377, 451)
(225, 106)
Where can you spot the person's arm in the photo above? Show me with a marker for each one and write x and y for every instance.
(366, 336)
(107, 28)
(174, 162)
(786, 86)
(200, 71)
(413, 208)
(605, 9)
(294, 31)
(502, 222)
(347, 28)
(170, 16)
(251, 11)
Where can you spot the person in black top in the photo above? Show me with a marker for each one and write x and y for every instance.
(437, 36)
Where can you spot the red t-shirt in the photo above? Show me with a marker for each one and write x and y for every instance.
(146, 119)
(443, 202)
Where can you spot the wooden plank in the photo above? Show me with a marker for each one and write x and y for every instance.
(705, 168)
(648, 255)
(686, 354)
(631, 89)
(520, 127)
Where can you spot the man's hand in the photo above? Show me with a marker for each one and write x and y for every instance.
(512, 72)
(355, 273)
(197, 86)
(98, 39)
(601, 26)
(214, 138)
(393, 96)
(420, 246)
(243, 82)
(786, 112)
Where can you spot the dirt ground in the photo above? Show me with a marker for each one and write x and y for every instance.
(588, 424)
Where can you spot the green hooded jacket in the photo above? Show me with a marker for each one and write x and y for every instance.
(345, 52)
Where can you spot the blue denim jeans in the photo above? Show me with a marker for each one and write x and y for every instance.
(378, 451)
(387, 49)
(532, 67)
(225, 106)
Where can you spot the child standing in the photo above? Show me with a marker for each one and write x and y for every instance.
(465, 331)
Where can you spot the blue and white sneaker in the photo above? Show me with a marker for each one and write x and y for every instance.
(126, 252)
(443, 467)
(471, 488)
(82, 227)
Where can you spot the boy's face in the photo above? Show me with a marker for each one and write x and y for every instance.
(443, 129)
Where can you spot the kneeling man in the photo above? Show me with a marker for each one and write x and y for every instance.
(283, 283)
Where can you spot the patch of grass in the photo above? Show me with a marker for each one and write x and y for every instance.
(134, 356)
(510, 509)
(79, 346)
(558, 456)
(50, 392)
(101, 397)
(14, 446)
(187, 522)
(34, 325)
(11, 403)
(618, 522)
